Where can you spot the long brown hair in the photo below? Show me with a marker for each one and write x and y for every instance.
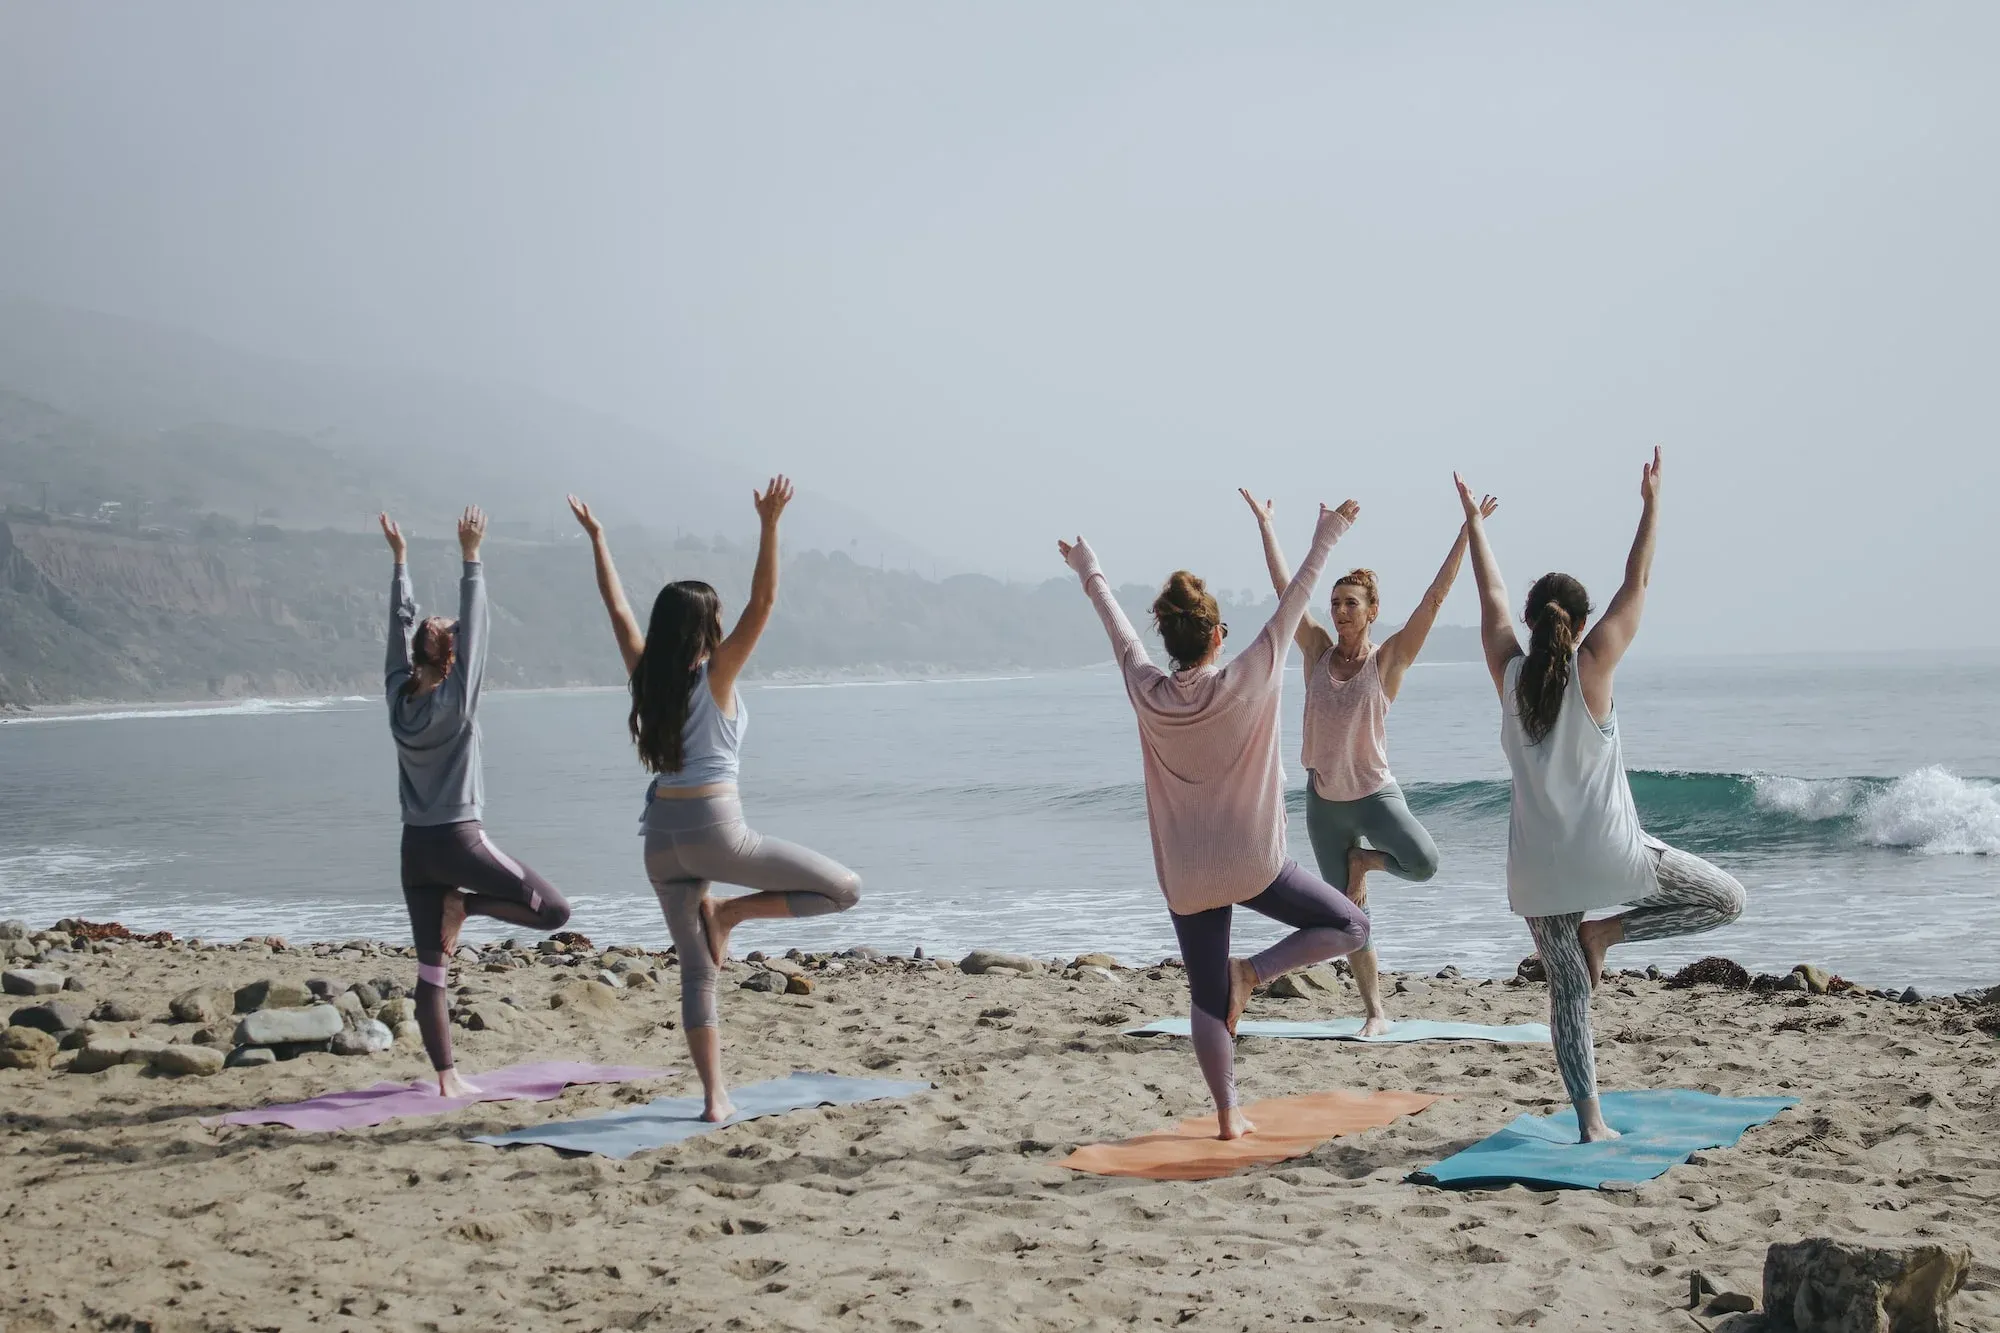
(1557, 608)
(686, 626)
(1186, 614)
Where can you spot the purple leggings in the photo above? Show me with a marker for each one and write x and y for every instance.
(1324, 925)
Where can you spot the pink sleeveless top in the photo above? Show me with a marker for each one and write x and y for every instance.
(1347, 732)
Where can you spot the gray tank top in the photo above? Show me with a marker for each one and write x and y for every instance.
(710, 740)
(1573, 839)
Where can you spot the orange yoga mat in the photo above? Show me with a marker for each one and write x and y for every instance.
(1287, 1127)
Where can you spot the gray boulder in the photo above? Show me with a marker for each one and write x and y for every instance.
(31, 981)
(980, 961)
(770, 983)
(365, 1039)
(52, 1016)
(101, 1053)
(117, 1011)
(397, 1011)
(352, 1012)
(249, 1057)
(270, 1027)
(13, 930)
(1838, 1286)
(26, 1048)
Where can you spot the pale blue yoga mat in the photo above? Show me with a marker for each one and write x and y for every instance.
(669, 1120)
(1660, 1129)
(1349, 1029)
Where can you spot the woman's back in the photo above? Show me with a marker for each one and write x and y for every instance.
(711, 740)
(1573, 839)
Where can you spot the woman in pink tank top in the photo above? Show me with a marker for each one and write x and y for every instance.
(1356, 816)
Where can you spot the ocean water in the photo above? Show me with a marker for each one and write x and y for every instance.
(1856, 799)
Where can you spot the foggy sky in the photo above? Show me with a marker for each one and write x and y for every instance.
(1005, 273)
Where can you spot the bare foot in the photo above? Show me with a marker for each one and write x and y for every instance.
(454, 921)
(1242, 981)
(1590, 1124)
(1596, 939)
(1360, 861)
(451, 1085)
(718, 1108)
(1235, 1124)
(716, 931)
(1598, 1133)
(1376, 1025)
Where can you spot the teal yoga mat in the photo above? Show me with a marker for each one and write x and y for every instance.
(1660, 1129)
(670, 1120)
(1349, 1029)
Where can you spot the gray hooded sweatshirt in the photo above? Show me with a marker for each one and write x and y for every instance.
(437, 734)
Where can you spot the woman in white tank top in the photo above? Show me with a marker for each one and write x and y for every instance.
(1573, 842)
(1356, 816)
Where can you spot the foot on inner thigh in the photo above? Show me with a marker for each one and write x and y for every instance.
(1596, 939)
(1360, 862)
(1242, 981)
(451, 1085)
(716, 923)
(454, 921)
(1235, 1124)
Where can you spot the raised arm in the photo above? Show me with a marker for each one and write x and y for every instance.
(470, 669)
(1126, 646)
(1619, 625)
(1311, 636)
(1496, 631)
(1400, 649)
(733, 652)
(1266, 653)
(624, 625)
(402, 610)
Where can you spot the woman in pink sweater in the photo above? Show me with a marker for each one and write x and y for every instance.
(1215, 796)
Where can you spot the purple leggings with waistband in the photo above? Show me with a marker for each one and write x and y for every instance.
(1325, 925)
(446, 858)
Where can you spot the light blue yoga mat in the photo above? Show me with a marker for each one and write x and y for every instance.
(1659, 1129)
(668, 1120)
(1349, 1029)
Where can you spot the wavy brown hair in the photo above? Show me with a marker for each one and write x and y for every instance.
(686, 627)
(1557, 608)
(1186, 614)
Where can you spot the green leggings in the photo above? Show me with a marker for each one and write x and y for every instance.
(1384, 819)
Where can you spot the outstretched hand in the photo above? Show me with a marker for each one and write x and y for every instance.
(1066, 549)
(471, 531)
(397, 546)
(586, 518)
(771, 501)
(1348, 510)
(1649, 479)
(1475, 510)
(1262, 510)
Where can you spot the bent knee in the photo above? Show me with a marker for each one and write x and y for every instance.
(1421, 866)
(1363, 931)
(845, 891)
(555, 915)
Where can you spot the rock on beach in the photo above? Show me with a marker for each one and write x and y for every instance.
(32, 981)
(270, 1027)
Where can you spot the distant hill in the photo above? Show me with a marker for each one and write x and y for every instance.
(430, 442)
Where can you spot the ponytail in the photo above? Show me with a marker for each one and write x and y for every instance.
(1557, 609)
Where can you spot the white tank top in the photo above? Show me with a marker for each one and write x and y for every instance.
(1574, 841)
(1347, 730)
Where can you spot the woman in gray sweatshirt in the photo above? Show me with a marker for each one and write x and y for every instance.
(451, 870)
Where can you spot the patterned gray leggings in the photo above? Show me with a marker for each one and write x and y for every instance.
(1693, 896)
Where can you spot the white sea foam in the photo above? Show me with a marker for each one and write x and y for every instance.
(1931, 811)
(1934, 812)
(240, 708)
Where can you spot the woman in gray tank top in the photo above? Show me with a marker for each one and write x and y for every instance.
(1573, 841)
(687, 720)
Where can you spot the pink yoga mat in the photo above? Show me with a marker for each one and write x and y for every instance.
(386, 1101)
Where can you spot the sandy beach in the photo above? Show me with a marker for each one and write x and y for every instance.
(947, 1209)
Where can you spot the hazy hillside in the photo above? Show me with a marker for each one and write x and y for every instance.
(439, 442)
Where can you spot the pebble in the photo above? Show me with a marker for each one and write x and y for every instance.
(26, 1048)
(639, 981)
(784, 966)
(1912, 996)
(31, 981)
(397, 1011)
(610, 978)
(249, 1057)
(865, 953)
(325, 989)
(12, 929)
(366, 1039)
(799, 985)
(268, 1027)
(118, 1011)
(770, 983)
(197, 1060)
(1448, 973)
(262, 995)
(368, 995)
(490, 1018)
(409, 1034)
(73, 982)
(352, 1012)
(1095, 975)
(1816, 979)
(1103, 960)
(52, 1016)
